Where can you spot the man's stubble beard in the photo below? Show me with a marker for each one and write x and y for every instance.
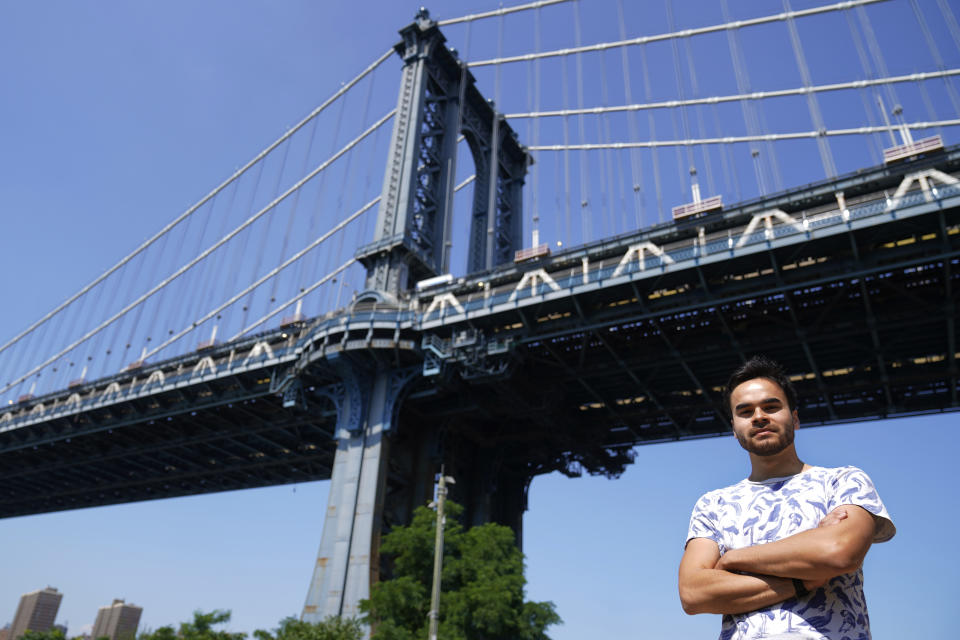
(769, 448)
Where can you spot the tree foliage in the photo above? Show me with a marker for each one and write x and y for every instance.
(482, 584)
(331, 628)
(53, 634)
(200, 628)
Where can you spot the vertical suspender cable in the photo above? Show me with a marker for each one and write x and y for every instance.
(874, 47)
(606, 171)
(695, 87)
(320, 206)
(826, 156)
(239, 256)
(585, 205)
(352, 177)
(743, 88)
(727, 163)
(938, 60)
(564, 84)
(263, 154)
(534, 95)
(653, 132)
(951, 21)
(876, 146)
(217, 275)
(295, 201)
(636, 167)
(265, 236)
(684, 119)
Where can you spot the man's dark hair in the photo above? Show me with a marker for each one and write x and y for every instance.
(759, 367)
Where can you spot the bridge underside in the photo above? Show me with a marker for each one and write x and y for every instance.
(219, 436)
(864, 321)
(864, 318)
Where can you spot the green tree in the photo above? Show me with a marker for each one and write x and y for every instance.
(200, 628)
(331, 628)
(481, 588)
(53, 634)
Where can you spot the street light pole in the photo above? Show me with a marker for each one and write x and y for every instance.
(438, 555)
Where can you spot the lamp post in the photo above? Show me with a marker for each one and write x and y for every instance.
(438, 554)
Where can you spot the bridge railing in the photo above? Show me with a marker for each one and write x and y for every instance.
(655, 259)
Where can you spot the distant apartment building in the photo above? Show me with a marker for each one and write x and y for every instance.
(117, 621)
(5, 632)
(36, 612)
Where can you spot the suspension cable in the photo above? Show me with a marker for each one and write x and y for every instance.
(678, 34)
(300, 295)
(769, 137)
(208, 251)
(752, 95)
(236, 174)
(502, 11)
(279, 268)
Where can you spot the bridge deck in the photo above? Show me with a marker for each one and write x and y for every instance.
(573, 358)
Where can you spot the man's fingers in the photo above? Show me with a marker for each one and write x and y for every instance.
(812, 585)
(834, 517)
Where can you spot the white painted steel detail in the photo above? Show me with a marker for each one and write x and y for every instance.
(923, 178)
(638, 252)
(203, 365)
(530, 279)
(259, 349)
(155, 377)
(441, 302)
(767, 219)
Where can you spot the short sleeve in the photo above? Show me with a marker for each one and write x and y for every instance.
(703, 522)
(852, 486)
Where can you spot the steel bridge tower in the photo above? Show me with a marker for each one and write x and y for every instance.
(438, 102)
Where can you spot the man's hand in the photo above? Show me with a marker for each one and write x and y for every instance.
(704, 589)
(837, 545)
(834, 517)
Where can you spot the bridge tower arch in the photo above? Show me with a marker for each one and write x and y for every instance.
(438, 102)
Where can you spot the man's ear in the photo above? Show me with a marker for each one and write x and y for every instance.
(796, 419)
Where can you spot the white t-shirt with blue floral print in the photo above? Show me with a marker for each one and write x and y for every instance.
(750, 513)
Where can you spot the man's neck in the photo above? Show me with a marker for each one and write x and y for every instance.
(785, 463)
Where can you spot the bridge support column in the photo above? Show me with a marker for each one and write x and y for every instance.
(348, 559)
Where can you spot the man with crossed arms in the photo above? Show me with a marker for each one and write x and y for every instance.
(780, 553)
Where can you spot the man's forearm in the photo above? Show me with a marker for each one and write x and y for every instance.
(719, 591)
(817, 554)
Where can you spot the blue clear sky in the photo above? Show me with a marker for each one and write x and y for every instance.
(117, 116)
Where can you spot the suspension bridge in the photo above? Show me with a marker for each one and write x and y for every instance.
(515, 255)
